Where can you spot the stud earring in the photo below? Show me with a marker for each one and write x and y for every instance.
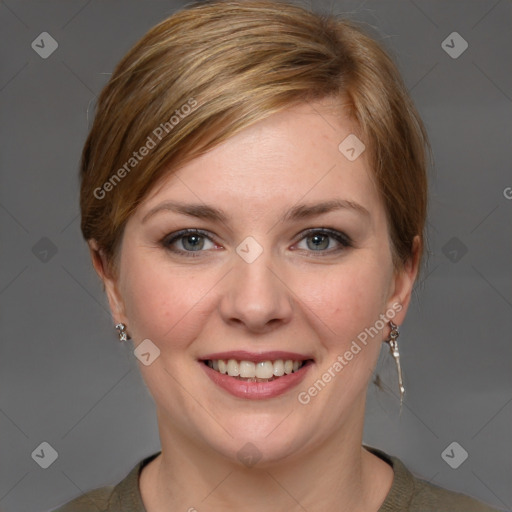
(393, 347)
(121, 331)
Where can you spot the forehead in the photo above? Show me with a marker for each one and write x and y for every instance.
(292, 155)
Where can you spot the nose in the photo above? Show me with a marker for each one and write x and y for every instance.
(256, 297)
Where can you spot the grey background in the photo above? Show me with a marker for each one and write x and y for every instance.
(66, 380)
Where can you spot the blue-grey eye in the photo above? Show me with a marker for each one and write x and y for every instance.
(323, 240)
(187, 242)
(192, 242)
(318, 242)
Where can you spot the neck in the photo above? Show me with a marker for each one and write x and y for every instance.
(336, 474)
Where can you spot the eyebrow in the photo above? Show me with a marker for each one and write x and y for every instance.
(298, 212)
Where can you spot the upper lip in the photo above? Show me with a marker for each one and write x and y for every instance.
(243, 355)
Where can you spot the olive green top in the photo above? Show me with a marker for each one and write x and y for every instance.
(407, 494)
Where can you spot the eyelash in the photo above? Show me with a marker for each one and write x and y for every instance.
(343, 239)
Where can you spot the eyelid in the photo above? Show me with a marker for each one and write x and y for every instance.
(170, 238)
(340, 236)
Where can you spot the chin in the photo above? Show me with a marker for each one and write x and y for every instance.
(261, 443)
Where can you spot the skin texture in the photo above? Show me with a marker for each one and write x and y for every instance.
(291, 298)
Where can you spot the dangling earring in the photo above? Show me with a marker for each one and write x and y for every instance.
(393, 347)
(121, 330)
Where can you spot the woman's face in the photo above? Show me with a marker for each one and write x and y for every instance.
(286, 257)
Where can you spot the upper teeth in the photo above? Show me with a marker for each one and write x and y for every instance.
(260, 370)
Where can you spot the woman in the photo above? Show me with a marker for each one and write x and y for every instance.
(253, 193)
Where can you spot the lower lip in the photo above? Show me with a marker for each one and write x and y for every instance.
(257, 390)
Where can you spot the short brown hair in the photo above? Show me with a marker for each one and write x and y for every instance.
(232, 64)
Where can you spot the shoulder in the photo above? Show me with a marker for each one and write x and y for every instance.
(97, 499)
(123, 497)
(427, 496)
(411, 494)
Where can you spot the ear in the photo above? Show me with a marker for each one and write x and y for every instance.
(403, 282)
(109, 280)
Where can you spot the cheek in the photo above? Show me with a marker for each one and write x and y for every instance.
(163, 303)
(348, 301)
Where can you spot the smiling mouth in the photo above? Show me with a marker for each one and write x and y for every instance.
(261, 371)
